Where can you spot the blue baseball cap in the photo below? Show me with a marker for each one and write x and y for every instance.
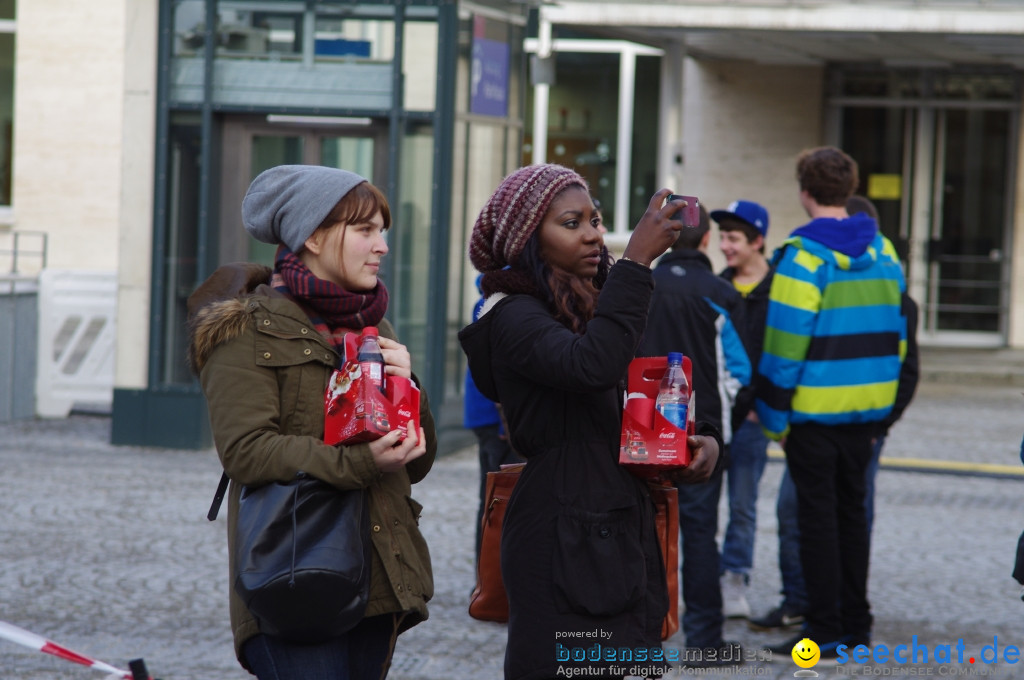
(749, 212)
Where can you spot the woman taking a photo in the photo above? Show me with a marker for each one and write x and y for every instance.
(579, 552)
(264, 345)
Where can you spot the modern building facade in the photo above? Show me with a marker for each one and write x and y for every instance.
(716, 100)
(135, 126)
(139, 124)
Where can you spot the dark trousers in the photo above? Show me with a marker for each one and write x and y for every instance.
(827, 464)
(363, 653)
(702, 590)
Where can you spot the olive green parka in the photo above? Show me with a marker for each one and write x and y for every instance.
(264, 369)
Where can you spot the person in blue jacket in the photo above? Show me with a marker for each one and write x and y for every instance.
(790, 613)
(835, 339)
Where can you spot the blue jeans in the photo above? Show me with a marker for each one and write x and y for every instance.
(702, 591)
(748, 454)
(794, 592)
(361, 654)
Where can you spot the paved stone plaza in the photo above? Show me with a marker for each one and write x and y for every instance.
(107, 550)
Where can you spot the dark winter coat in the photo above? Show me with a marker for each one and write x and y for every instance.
(751, 328)
(910, 369)
(579, 553)
(264, 369)
(695, 312)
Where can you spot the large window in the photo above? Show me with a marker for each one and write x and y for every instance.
(284, 30)
(489, 96)
(303, 55)
(615, 147)
(7, 26)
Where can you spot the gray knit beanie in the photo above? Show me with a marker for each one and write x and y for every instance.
(286, 204)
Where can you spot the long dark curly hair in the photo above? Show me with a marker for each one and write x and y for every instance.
(572, 299)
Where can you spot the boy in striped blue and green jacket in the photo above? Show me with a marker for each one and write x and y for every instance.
(834, 340)
(835, 335)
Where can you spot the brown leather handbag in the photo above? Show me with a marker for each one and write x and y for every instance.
(488, 601)
(666, 523)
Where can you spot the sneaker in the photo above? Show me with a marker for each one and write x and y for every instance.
(727, 654)
(782, 651)
(779, 618)
(734, 596)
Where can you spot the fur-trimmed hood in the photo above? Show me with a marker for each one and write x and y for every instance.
(217, 310)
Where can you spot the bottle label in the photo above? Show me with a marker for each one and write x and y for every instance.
(674, 413)
(373, 371)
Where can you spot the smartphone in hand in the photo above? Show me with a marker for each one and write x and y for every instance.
(690, 215)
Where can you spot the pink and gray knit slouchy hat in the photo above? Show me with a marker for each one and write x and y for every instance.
(514, 212)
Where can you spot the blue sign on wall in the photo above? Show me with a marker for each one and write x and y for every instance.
(489, 83)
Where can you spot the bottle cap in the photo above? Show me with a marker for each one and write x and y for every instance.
(370, 330)
(675, 357)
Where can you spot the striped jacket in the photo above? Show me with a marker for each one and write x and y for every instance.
(835, 334)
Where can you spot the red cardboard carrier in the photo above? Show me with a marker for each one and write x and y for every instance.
(649, 443)
(356, 411)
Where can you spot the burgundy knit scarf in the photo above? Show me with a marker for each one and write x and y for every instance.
(333, 310)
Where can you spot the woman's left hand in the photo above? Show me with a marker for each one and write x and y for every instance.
(704, 456)
(397, 360)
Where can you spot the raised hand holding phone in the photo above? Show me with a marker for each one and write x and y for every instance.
(659, 226)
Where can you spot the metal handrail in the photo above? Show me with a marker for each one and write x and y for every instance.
(18, 251)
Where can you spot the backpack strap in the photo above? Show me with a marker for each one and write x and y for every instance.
(218, 497)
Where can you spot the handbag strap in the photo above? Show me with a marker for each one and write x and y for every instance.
(218, 497)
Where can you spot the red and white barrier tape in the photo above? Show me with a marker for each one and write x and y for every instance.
(41, 644)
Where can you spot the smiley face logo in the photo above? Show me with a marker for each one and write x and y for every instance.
(806, 653)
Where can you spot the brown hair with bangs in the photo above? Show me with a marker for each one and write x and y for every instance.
(358, 206)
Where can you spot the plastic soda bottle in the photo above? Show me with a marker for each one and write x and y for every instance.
(674, 394)
(370, 358)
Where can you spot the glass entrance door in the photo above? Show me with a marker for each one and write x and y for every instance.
(965, 252)
(252, 146)
(939, 177)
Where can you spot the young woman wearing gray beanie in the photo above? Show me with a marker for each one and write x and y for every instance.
(264, 344)
(579, 555)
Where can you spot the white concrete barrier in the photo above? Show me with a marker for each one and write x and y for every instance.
(77, 337)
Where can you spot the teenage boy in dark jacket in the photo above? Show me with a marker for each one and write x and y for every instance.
(692, 312)
(743, 227)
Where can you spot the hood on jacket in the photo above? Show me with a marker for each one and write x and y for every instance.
(851, 243)
(850, 236)
(476, 343)
(216, 311)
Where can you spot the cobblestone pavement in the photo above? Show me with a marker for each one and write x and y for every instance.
(107, 550)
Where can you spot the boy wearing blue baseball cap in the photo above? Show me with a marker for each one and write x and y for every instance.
(743, 227)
